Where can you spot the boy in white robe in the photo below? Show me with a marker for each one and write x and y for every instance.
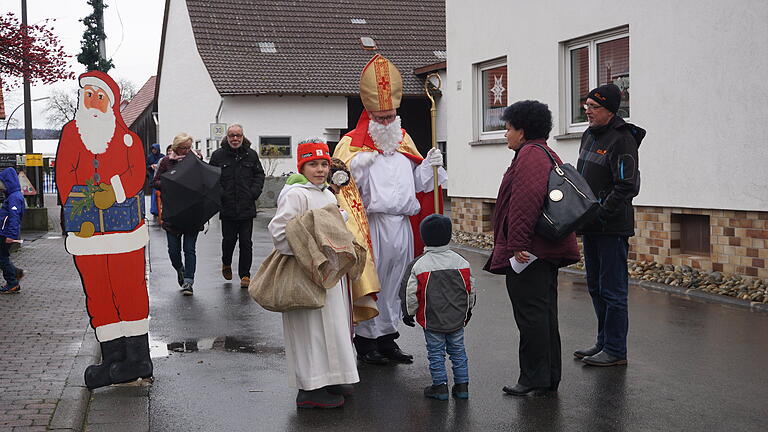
(318, 344)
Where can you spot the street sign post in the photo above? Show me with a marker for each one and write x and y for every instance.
(218, 131)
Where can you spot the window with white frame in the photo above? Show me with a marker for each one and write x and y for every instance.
(592, 62)
(491, 97)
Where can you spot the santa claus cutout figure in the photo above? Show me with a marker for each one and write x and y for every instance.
(100, 174)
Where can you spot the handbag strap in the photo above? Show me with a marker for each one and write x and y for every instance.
(555, 165)
(554, 162)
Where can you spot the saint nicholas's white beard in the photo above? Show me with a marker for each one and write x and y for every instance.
(387, 138)
(95, 128)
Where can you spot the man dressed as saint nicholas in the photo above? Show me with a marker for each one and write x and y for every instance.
(390, 193)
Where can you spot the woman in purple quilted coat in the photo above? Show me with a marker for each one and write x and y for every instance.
(532, 289)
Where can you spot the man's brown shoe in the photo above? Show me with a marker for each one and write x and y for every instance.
(245, 281)
(226, 271)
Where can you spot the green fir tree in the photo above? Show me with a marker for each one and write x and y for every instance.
(94, 32)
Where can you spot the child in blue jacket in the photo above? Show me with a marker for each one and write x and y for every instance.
(10, 228)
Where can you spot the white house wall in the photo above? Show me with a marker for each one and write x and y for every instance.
(441, 123)
(698, 79)
(293, 116)
(187, 100)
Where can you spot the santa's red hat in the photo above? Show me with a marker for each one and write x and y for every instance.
(310, 150)
(105, 82)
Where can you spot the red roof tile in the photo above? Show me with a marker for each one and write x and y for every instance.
(140, 102)
(318, 49)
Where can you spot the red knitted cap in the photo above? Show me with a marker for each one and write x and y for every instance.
(312, 150)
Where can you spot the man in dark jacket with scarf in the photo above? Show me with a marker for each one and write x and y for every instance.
(608, 161)
(242, 179)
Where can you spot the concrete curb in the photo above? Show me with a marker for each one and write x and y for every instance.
(71, 410)
(655, 286)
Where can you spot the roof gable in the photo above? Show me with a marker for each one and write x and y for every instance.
(313, 46)
(140, 102)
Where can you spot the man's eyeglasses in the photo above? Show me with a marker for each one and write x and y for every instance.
(183, 148)
(588, 107)
(235, 135)
(382, 119)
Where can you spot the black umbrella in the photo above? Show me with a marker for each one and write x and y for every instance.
(191, 192)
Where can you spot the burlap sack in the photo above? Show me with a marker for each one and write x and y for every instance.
(324, 247)
(280, 285)
(324, 251)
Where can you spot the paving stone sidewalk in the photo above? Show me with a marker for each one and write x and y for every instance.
(45, 343)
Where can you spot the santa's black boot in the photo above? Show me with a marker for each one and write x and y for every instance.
(366, 351)
(137, 363)
(390, 350)
(98, 375)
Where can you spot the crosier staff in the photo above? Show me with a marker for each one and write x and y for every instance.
(433, 83)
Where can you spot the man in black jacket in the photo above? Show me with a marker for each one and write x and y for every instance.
(608, 161)
(242, 179)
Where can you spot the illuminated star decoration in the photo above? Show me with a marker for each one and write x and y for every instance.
(497, 89)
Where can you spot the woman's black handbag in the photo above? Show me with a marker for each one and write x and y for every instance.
(569, 204)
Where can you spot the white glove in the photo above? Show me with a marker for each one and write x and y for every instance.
(435, 157)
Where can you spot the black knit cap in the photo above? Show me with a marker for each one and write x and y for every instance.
(608, 95)
(435, 230)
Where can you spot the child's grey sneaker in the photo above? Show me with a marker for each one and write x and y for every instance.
(439, 392)
(10, 289)
(460, 391)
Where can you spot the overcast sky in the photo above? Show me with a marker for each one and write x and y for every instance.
(133, 29)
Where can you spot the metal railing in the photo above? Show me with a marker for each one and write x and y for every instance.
(49, 183)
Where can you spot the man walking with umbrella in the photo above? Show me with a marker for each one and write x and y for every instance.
(242, 179)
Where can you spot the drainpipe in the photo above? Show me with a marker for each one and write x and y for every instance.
(218, 111)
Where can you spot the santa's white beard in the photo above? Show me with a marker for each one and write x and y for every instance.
(95, 128)
(387, 138)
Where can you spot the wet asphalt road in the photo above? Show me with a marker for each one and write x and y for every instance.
(692, 366)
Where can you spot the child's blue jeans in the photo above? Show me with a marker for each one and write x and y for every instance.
(452, 343)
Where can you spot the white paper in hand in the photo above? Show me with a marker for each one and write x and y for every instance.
(518, 266)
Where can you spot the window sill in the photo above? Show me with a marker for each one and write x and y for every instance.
(569, 136)
(488, 141)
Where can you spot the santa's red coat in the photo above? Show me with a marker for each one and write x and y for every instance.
(121, 165)
(111, 264)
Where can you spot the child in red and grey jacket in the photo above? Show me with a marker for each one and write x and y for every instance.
(439, 291)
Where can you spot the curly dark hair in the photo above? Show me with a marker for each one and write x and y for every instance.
(533, 117)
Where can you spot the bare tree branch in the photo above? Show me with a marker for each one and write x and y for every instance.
(61, 107)
(127, 89)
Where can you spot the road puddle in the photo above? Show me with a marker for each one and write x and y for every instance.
(240, 344)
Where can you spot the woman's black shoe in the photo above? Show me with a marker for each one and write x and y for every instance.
(521, 390)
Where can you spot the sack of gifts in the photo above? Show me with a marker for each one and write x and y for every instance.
(79, 208)
(280, 285)
(325, 252)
